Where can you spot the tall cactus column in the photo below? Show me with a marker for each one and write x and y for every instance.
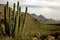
(17, 20)
(7, 30)
(10, 11)
(13, 21)
(24, 23)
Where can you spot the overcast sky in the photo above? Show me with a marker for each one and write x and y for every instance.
(47, 8)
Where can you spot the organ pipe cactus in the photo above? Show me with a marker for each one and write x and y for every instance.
(13, 26)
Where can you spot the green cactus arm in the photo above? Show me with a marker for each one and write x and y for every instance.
(14, 15)
(6, 17)
(24, 22)
(10, 20)
(19, 19)
(7, 12)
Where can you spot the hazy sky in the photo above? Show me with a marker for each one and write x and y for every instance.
(47, 8)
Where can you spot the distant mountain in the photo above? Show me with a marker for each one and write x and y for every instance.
(43, 19)
(35, 16)
(40, 17)
(57, 21)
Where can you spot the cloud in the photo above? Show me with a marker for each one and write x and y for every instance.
(48, 8)
(41, 2)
